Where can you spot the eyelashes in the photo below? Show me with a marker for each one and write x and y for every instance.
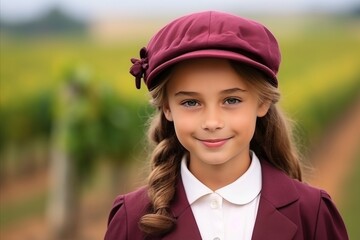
(190, 103)
(232, 100)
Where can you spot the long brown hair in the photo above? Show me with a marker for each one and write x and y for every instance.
(273, 139)
(272, 142)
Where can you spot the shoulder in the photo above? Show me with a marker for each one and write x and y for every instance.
(309, 207)
(319, 213)
(317, 207)
(279, 188)
(125, 214)
(310, 198)
(134, 202)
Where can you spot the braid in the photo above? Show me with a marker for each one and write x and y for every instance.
(165, 164)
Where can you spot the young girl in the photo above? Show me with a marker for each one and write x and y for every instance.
(224, 165)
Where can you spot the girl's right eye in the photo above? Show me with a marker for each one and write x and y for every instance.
(190, 103)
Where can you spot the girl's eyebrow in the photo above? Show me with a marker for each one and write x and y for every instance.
(233, 90)
(186, 93)
(226, 91)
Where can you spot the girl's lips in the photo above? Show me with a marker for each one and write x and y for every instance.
(214, 143)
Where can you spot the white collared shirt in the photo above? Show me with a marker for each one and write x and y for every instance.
(229, 212)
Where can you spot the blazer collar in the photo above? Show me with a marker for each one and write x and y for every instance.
(278, 191)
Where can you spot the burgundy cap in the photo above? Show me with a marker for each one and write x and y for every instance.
(208, 34)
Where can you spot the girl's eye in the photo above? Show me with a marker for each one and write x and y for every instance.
(232, 101)
(190, 103)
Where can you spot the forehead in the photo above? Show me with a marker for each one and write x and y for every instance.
(205, 74)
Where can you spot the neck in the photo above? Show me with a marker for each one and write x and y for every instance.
(220, 175)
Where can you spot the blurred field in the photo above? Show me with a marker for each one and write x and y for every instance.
(319, 81)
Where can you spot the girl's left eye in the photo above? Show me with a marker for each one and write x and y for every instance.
(190, 103)
(232, 101)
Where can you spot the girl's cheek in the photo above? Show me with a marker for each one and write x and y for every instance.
(185, 123)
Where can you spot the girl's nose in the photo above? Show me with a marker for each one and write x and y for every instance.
(212, 120)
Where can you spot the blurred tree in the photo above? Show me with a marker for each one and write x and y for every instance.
(74, 142)
(89, 124)
(53, 22)
(122, 131)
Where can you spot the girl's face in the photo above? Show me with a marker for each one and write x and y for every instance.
(214, 112)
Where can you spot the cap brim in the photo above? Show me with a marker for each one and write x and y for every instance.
(211, 53)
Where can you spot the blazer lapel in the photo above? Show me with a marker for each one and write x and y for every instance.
(186, 227)
(271, 224)
(277, 191)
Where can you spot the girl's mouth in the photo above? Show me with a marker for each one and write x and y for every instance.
(214, 143)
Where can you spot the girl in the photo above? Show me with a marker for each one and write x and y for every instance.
(223, 165)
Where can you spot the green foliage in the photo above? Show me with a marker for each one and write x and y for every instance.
(93, 122)
(314, 118)
(122, 125)
(21, 122)
(319, 75)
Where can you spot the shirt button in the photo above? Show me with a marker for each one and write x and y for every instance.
(217, 238)
(214, 204)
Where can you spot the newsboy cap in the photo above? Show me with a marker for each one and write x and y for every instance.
(208, 34)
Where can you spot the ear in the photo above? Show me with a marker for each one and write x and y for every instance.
(263, 108)
(167, 112)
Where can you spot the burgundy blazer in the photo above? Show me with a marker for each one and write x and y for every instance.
(288, 209)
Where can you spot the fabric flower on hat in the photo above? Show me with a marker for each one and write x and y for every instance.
(138, 69)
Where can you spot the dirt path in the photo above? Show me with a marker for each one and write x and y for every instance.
(93, 215)
(334, 158)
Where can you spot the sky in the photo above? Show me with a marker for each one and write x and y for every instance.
(88, 9)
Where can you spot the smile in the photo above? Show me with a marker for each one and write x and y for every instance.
(213, 143)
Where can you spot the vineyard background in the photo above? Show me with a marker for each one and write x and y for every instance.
(71, 91)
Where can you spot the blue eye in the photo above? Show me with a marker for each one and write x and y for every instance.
(232, 101)
(189, 103)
